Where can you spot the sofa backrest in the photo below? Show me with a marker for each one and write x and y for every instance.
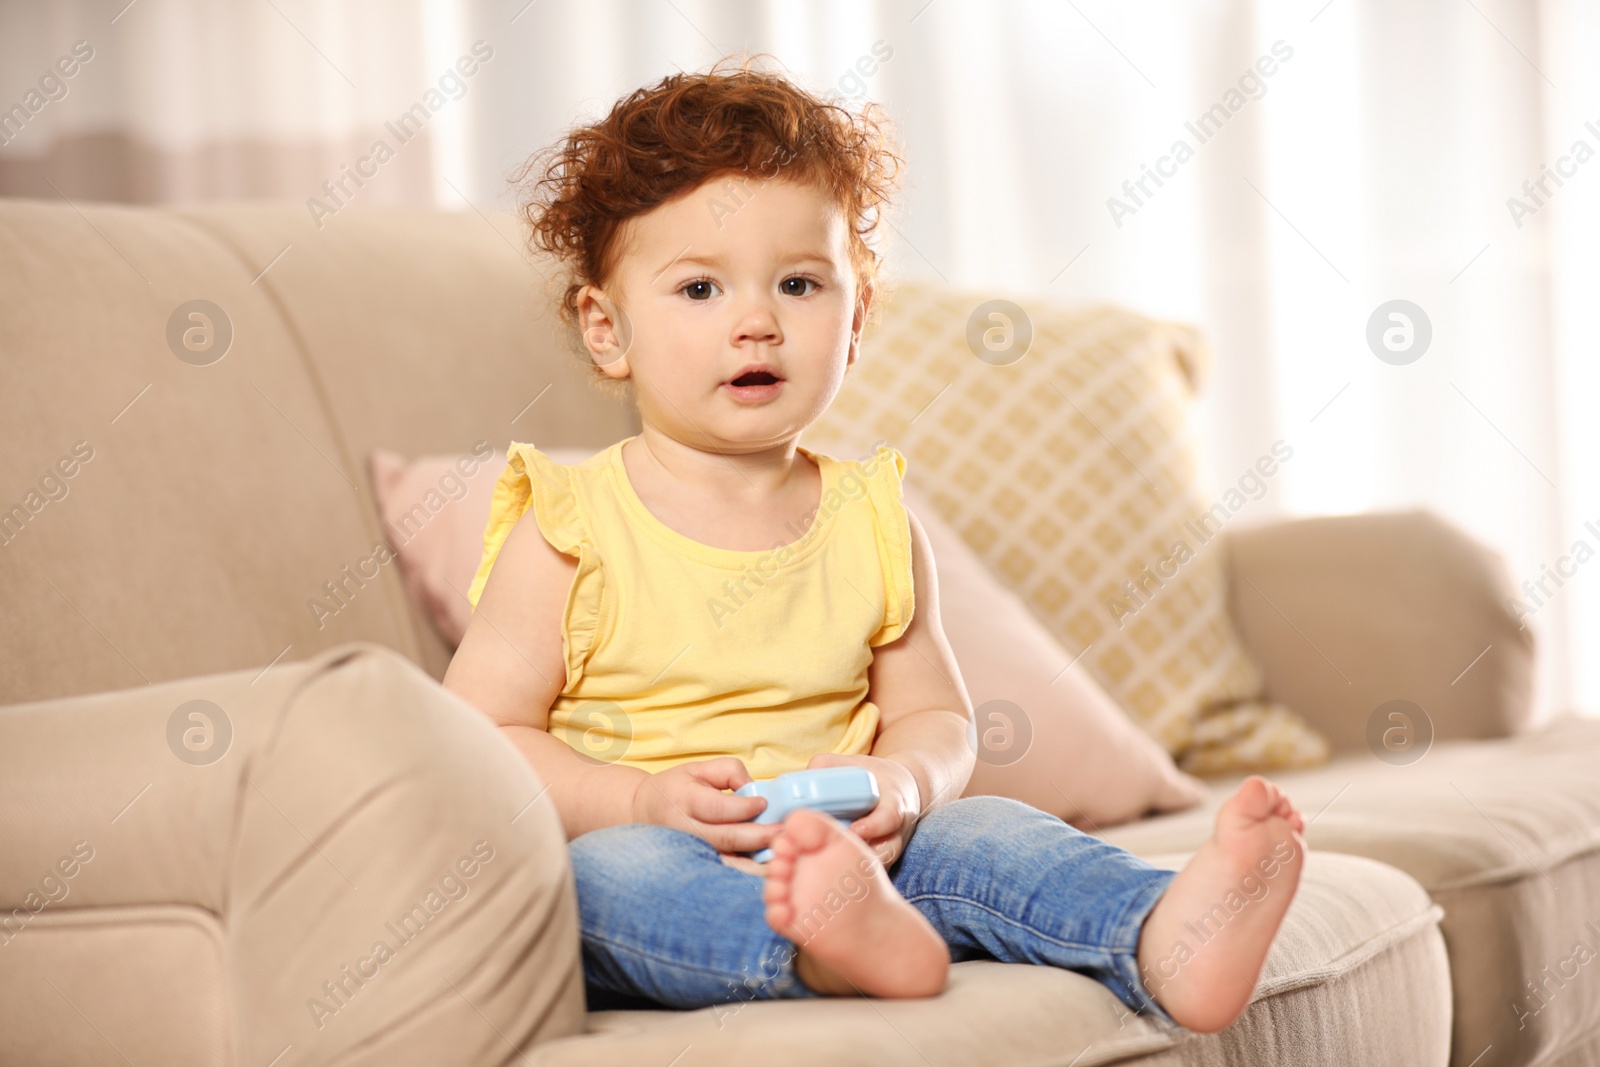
(162, 517)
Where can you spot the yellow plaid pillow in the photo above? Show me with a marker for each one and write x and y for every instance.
(1071, 471)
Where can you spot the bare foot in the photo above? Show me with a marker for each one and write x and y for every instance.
(1203, 945)
(830, 895)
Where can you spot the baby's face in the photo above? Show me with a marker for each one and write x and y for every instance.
(732, 274)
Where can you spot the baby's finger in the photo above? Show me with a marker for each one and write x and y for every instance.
(724, 772)
(886, 849)
(740, 836)
(711, 805)
(877, 822)
(746, 864)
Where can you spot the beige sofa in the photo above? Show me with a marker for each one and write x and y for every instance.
(207, 883)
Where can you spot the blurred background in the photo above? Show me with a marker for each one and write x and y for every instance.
(1278, 173)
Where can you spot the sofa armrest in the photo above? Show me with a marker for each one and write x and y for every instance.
(1345, 613)
(216, 889)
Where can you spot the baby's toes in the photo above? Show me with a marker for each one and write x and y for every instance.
(779, 914)
(775, 891)
(776, 900)
(784, 847)
(806, 828)
(1249, 804)
(781, 868)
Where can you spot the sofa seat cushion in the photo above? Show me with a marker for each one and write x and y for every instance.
(1357, 975)
(1505, 836)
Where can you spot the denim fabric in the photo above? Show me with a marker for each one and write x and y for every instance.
(666, 922)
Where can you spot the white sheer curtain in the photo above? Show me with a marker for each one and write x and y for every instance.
(1363, 152)
(182, 101)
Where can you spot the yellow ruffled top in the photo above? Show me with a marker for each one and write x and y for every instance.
(678, 651)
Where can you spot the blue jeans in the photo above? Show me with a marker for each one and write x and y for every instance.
(665, 922)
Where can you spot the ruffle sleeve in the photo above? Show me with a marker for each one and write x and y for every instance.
(894, 541)
(532, 479)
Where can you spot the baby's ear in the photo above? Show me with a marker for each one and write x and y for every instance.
(612, 360)
(854, 353)
(605, 332)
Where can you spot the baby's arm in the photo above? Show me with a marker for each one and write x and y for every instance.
(511, 667)
(920, 753)
(923, 706)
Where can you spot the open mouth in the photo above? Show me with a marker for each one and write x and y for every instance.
(759, 377)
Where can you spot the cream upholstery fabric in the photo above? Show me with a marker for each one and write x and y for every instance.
(1505, 835)
(1399, 604)
(225, 498)
(187, 501)
(219, 897)
(1072, 473)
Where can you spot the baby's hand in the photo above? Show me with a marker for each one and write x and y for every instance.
(689, 797)
(887, 827)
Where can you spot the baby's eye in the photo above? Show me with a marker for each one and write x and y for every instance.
(798, 278)
(698, 285)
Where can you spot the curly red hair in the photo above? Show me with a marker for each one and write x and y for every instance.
(669, 138)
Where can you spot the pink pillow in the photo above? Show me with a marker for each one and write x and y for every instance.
(434, 511)
(1044, 735)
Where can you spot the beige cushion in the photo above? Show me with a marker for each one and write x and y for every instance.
(223, 497)
(209, 514)
(1505, 835)
(1355, 977)
(426, 332)
(1072, 472)
(1047, 736)
(217, 897)
(1383, 606)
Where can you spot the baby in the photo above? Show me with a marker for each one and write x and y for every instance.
(709, 601)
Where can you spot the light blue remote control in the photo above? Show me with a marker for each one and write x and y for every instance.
(846, 793)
